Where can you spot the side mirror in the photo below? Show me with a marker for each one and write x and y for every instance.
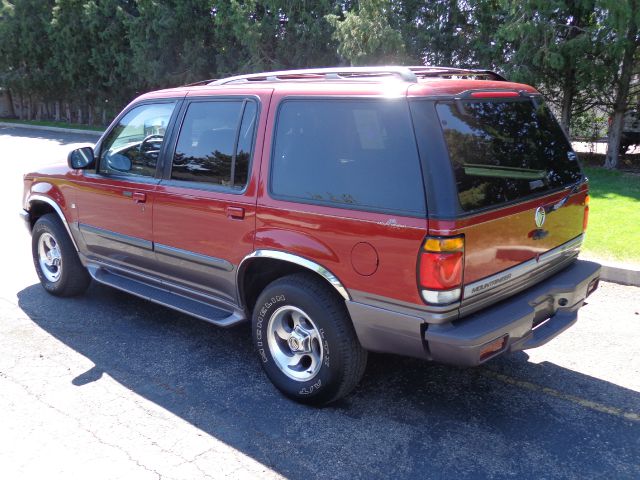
(81, 158)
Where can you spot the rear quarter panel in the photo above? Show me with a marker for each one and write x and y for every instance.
(368, 252)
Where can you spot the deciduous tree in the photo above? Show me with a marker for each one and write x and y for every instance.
(623, 18)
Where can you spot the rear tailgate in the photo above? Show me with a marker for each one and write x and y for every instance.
(520, 188)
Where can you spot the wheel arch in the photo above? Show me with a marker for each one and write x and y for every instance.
(261, 267)
(39, 205)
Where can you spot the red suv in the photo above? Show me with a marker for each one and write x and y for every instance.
(422, 211)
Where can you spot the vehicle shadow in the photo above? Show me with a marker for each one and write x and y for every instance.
(407, 419)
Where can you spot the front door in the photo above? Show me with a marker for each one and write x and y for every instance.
(204, 210)
(115, 204)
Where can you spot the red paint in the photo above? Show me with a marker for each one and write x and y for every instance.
(197, 221)
(108, 203)
(457, 87)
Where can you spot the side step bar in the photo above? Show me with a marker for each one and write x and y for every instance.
(166, 298)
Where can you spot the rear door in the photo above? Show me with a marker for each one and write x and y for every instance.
(204, 211)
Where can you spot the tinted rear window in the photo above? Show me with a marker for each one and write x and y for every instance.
(358, 154)
(503, 151)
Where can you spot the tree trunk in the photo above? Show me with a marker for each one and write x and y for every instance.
(613, 141)
(12, 109)
(21, 106)
(68, 110)
(90, 115)
(622, 92)
(567, 100)
(579, 17)
(57, 111)
(79, 115)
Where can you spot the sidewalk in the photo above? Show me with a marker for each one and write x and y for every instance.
(624, 273)
(51, 129)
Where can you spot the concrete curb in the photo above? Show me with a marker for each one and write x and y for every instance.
(622, 273)
(51, 129)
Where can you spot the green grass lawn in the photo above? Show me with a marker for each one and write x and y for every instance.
(53, 124)
(614, 215)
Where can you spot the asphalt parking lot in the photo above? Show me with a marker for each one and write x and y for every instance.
(109, 386)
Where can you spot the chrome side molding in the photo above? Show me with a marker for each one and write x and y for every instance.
(303, 262)
(56, 207)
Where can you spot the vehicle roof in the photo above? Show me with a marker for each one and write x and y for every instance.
(365, 81)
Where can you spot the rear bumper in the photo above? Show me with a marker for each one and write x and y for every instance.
(526, 320)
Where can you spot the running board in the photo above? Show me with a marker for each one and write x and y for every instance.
(166, 298)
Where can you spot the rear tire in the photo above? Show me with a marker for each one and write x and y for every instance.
(57, 263)
(305, 340)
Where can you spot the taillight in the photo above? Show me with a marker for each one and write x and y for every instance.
(440, 266)
(585, 219)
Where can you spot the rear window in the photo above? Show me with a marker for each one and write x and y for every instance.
(358, 154)
(503, 151)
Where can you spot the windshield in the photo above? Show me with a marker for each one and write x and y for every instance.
(503, 151)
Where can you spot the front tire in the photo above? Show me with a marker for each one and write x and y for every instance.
(57, 264)
(305, 340)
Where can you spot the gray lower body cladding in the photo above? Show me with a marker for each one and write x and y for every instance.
(525, 320)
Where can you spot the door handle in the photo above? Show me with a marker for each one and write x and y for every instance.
(235, 212)
(139, 197)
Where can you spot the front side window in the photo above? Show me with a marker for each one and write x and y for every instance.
(356, 154)
(133, 146)
(215, 142)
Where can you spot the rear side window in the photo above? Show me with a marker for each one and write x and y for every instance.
(503, 151)
(358, 154)
(214, 145)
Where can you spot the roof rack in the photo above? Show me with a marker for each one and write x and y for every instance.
(334, 73)
(448, 72)
(406, 74)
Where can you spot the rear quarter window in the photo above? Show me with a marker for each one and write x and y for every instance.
(356, 154)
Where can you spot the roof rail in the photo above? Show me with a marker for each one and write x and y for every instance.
(334, 73)
(406, 74)
(428, 71)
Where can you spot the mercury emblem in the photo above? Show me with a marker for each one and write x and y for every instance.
(540, 217)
